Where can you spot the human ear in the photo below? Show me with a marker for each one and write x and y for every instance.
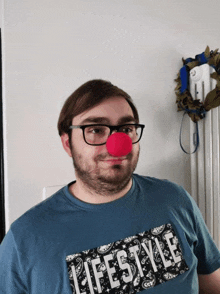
(66, 144)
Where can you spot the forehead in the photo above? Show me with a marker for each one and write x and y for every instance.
(112, 110)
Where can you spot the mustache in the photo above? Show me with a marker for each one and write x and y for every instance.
(107, 156)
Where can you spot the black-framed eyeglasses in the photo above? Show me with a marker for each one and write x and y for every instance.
(97, 134)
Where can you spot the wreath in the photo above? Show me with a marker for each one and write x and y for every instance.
(195, 108)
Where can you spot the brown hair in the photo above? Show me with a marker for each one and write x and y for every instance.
(87, 96)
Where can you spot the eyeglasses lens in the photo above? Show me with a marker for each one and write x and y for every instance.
(99, 134)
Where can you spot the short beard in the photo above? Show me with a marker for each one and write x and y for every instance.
(97, 183)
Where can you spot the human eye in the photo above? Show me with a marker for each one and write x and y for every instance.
(95, 130)
(128, 129)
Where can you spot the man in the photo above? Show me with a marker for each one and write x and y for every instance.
(110, 231)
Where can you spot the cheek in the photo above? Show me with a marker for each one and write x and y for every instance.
(90, 152)
(135, 148)
(80, 147)
(97, 150)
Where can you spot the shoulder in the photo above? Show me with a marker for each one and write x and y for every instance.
(38, 214)
(162, 185)
(164, 190)
(155, 182)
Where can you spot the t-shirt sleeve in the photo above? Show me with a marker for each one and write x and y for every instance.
(205, 249)
(11, 274)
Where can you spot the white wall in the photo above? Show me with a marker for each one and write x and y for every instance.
(1, 11)
(52, 47)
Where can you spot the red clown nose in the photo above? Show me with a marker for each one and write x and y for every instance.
(119, 144)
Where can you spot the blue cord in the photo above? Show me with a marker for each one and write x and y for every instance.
(197, 137)
(203, 112)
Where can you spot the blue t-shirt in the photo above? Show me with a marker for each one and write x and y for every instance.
(151, 240)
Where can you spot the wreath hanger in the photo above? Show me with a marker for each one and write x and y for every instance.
(195, 108)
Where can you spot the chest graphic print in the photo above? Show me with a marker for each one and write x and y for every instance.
(128, 266)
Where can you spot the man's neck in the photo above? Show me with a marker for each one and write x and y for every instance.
(80, 191)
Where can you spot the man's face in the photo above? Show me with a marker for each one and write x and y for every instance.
(92, 163)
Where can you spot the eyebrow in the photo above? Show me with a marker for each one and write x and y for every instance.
(101, 119)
